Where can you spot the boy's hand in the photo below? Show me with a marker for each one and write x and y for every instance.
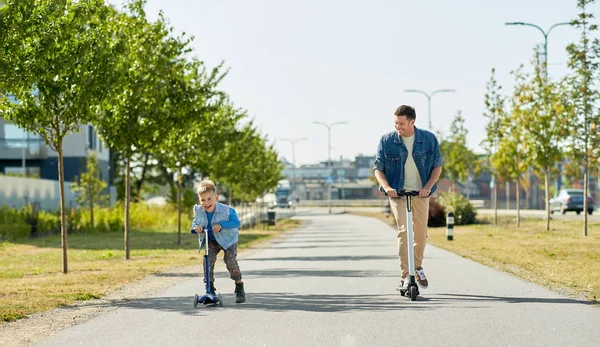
(216, 228)
(199, 229)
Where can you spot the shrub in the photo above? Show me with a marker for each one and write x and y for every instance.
(437, 214)
(12, 224)
(464, 212)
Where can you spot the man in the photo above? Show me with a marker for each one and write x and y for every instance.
(409, 159)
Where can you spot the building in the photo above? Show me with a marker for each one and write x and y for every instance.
(350, 180)
(19, 150)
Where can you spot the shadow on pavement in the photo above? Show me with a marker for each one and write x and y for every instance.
(328, 258)
(516, 300)
(283, 273)
(276, 302)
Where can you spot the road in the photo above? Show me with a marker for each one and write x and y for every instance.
(332, 283)
(594, 218)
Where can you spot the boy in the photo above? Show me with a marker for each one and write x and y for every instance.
(222, 224)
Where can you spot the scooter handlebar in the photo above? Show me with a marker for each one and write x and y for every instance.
(407, 193)
(201, 231)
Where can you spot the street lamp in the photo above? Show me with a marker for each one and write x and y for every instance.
(429, 96)
(329, 126)
(545, 33)
(293, 142)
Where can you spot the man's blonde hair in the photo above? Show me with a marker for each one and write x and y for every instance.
(207, 186)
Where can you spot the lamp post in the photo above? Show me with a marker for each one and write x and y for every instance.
(293, 142)
(329, 126)
(429, 96)
(545, 33)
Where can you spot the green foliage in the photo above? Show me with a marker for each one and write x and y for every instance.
(584, 62)
(510, 161)
(464, 212)
(189, 198)
(56, 85)
(136, 113)
(19, 223)
(459, 160)
(12, 224)
(89, 188)
(495, 112)
(57, 62)
(258, 176)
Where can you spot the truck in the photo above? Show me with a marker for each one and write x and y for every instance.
(283, 194)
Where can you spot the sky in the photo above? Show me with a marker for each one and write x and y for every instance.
(294, 62)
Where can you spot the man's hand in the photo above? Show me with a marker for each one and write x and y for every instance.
(424, 192)
(216, 228)
(199, 229)
(391, 192)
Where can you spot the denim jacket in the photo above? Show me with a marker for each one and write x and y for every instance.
(228, 235)
(392, 154)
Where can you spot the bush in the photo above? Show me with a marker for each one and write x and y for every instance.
(437, 214)
(464, 212)
(12, 224)
(29, 220)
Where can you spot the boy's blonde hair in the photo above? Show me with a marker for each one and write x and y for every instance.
(207, 186)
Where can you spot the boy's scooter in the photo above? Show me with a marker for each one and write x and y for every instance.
(208, 298)
(413, 290)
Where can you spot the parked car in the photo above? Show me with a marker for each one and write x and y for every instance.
(570, 200)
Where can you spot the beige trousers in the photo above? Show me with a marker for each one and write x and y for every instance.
(420, 215)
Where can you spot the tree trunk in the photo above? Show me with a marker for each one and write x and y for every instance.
(63, 217)
(507, 184)
(495, 201)
(127, 201)
(91, 208)
(179, 208)
(468, 190)
(547, 202)
(230, 196)
(518, 203)
(585, 198)
(140, 182)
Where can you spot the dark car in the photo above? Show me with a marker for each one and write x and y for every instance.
(570, 200)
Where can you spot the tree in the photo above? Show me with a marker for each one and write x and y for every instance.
(136, 117)
(494, 103)
(89, 188)
(510, 161)
(460, 161)
(544, 121)
(584, 61)
(247, 165)
(56, 62)
(197, 101)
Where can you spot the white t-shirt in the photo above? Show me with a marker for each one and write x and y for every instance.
(412, 179)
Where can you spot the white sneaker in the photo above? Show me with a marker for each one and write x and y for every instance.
(406, 282)
(403, 284)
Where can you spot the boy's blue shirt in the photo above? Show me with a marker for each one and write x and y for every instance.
(223, 215)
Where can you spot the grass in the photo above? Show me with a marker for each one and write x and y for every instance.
(30, 270)
(561, 259)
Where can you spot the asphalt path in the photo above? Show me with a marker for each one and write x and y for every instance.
(332, 283)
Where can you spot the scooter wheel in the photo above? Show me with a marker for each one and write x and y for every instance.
(220, 300)
(196, 301)
(414, 292)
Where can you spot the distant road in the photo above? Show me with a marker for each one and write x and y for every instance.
(595, 217)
